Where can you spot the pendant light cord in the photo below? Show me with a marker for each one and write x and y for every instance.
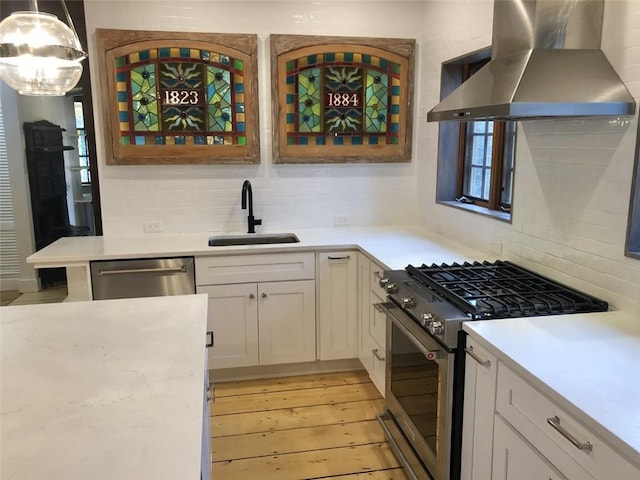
(34, 7)
(66, 12)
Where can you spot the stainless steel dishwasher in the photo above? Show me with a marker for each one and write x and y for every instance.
(146, 277)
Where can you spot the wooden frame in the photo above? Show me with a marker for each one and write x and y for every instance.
(632, 244)
(286, 48)
(113, 44)
(497, 153)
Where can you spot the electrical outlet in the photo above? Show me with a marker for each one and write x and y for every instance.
(341, 220)
(152, 227)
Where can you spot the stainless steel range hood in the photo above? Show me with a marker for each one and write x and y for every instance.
(545, 62)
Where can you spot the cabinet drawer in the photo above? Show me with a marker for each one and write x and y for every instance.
(530, 412)
(377, 320)
(379, 367)
(255, 268)
(376, 273)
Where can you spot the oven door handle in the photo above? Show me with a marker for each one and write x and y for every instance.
(429, 354)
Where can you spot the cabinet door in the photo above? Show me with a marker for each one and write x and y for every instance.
(378, 370)
(479, 408)
(287, 322)
(233, 318)
(515, 459)
(364, 345)
(338, 309)
(205, 454)
(377, 320)
(372, 323)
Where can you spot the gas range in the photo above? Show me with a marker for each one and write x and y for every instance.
(425, 349)
(440, 297)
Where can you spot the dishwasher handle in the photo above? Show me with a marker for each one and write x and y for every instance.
(180, 269)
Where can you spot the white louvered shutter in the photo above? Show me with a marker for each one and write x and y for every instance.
(9, 265)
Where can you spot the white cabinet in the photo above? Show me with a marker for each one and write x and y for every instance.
(570, 446)
(364, 348)
(372, 322)
(338, 305)
(287, 322)
(514, 459)
(206, 457)
(261, 308)
(512, 430)
(479, 407)
(233, 319)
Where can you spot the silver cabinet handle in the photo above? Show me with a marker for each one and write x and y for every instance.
(181, 269)
(378, 307)
(378, 274)
(251, 296)
(376, 354)
(346, 257)
(472, 354)
(555, 423)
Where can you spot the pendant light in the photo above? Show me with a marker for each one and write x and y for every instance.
(39, 54)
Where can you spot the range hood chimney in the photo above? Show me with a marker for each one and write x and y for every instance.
(546, 62)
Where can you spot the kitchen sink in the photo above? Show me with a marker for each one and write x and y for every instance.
(252, 239)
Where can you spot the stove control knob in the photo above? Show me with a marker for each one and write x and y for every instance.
(383, 282)
(408, 302)
(426, 319)
(436, 327)
(391, 287)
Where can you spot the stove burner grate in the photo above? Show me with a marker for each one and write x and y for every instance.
(502, 290)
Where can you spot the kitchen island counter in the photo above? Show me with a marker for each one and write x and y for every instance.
(103, 390)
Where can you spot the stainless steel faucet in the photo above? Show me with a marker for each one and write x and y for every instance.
(247, 194)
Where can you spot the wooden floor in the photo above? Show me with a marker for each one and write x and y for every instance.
(55, 294)
(304, 427)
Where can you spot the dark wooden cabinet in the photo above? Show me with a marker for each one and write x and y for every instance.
(45, 166)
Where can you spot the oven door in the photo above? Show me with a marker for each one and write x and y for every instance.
(419, 380)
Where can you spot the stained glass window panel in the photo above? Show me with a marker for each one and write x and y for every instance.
(346, 97)
(180, 96)
(376, 101)
(309, 100)
(219, 99)
(144, 99)
(342, 99)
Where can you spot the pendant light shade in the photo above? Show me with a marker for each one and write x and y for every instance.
(39, 54)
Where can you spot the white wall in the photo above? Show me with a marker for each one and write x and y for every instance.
(18, 109)
(572, 177)
(20, 195)
(572, 181)
(207, 198)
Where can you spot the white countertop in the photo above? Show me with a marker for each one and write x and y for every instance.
(587, 362)
(103, 390)
(395, 247)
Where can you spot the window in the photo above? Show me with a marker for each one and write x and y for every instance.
(83, 151)
(633, 234)
(485, 159)
(475, 159)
